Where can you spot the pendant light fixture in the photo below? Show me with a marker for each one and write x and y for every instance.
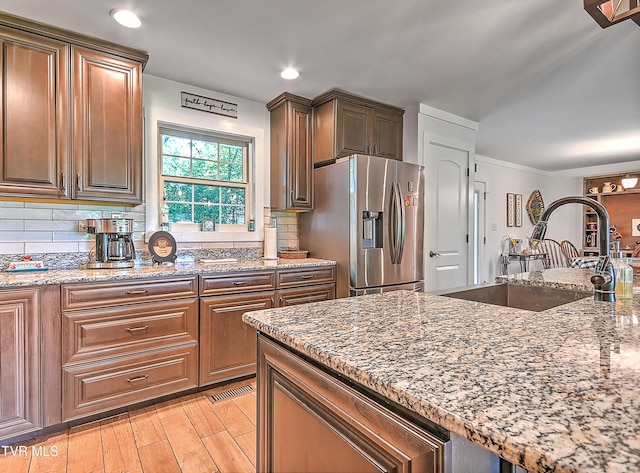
(610, 12)
(629, 182)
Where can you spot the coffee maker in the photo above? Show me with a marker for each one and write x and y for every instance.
(114, 247)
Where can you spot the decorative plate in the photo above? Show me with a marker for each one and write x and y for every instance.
(162, 247)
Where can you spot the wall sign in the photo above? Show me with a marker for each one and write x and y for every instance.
(510, 209)
(207, 104)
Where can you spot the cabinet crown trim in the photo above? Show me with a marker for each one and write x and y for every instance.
(287, 97)
(348, 97)
(33, 27)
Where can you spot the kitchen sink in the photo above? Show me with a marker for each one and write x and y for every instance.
(533, 298)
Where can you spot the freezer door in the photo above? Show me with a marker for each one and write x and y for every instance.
(386, 222)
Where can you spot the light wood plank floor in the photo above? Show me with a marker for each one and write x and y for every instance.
(191, 434)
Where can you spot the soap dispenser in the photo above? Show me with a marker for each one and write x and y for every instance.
(624, 274)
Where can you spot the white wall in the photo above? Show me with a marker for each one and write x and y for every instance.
(501, 178)
(162, 105)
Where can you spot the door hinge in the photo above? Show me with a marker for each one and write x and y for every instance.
(485, 195)
(475, 167)
(485, 240)
(467, 238)
(467, 172)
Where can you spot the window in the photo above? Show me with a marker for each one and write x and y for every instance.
(204, 176)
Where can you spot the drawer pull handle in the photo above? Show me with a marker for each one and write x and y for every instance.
(307, 276)
(137, 329)
(239, 283)
(136, 292)
(137, 378)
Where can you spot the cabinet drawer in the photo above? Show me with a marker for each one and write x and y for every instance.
(304, 295)
(302, 277)
(96, 387)
(83, 296)
(113, 331)
(240, 282)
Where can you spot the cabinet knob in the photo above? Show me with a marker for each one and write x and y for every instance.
(307, 276)
(239, 283)
(134, 292)
(63, 181)
(78, 183)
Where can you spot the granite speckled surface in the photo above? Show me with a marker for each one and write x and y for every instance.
(562, 278)
(557, 390)
(66, 276)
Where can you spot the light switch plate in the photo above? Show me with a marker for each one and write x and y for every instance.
(635, 227)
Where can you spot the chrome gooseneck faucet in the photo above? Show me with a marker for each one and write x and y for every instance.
(604, 279)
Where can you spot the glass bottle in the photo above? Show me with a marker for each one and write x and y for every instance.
(624, 276)
(165, 215)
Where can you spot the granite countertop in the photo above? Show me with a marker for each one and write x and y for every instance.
(187, 268)
(557, 390)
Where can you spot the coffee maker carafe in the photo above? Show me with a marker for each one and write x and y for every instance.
(114, 247)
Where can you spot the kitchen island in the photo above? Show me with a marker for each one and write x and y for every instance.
(557, 390)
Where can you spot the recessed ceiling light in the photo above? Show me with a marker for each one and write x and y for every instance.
(289, 73)
(126, 18)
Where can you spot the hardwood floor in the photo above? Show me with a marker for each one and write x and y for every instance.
(191, 434)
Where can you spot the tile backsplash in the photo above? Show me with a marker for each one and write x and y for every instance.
(50, 232)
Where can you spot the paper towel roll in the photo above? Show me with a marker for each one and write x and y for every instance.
(270, 243)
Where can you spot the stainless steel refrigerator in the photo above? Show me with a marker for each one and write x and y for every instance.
(369, 217)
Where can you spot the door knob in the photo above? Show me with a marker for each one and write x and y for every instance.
(433, 253)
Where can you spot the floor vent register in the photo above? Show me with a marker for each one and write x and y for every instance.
(229, 393)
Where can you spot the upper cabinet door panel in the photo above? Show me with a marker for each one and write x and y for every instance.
(107, 127)
(353, 129)
(387, 134)
(34, 131)
(301, 166)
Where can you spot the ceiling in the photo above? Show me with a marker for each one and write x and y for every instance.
(549, 88)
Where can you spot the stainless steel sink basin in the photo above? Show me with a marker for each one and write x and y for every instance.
(533, 298)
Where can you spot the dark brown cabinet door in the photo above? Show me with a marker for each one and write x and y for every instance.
(29, 359)
(107, 124)
(33, 122)
(309, 421)
(387, 135)
(353, 125)
(291, 155)
(300, 165)
(227, 344)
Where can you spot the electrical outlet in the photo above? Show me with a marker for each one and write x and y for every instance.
(82, 226)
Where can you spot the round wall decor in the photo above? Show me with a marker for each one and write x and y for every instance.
(162, 247)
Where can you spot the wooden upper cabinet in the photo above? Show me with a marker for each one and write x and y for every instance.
(34, 120)
(56, 85)
(107, 124)
(291, 155)
(344, 124)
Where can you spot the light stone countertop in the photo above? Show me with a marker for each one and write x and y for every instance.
(188, 268)
(557, 390)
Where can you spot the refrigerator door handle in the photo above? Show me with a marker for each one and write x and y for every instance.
(392, 223)
(396, 224)
(402, 226)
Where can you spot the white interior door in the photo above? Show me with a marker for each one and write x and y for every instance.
(447, 216)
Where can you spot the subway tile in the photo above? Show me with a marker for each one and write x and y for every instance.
(12, 248)
(47, 205)
(247, 244)
(11, 204)
(52, 225)
(6, 225)
(26, 214)
(25, 236)
(76, 214)
(217, 244)
(86, 246)
(51, 247)
(71, 236)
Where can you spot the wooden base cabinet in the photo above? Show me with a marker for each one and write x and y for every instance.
(29, 359)
(310, 421)
(227, 344)
(127, 341)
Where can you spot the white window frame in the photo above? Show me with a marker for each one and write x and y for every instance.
(255, 136)
(214, 136)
